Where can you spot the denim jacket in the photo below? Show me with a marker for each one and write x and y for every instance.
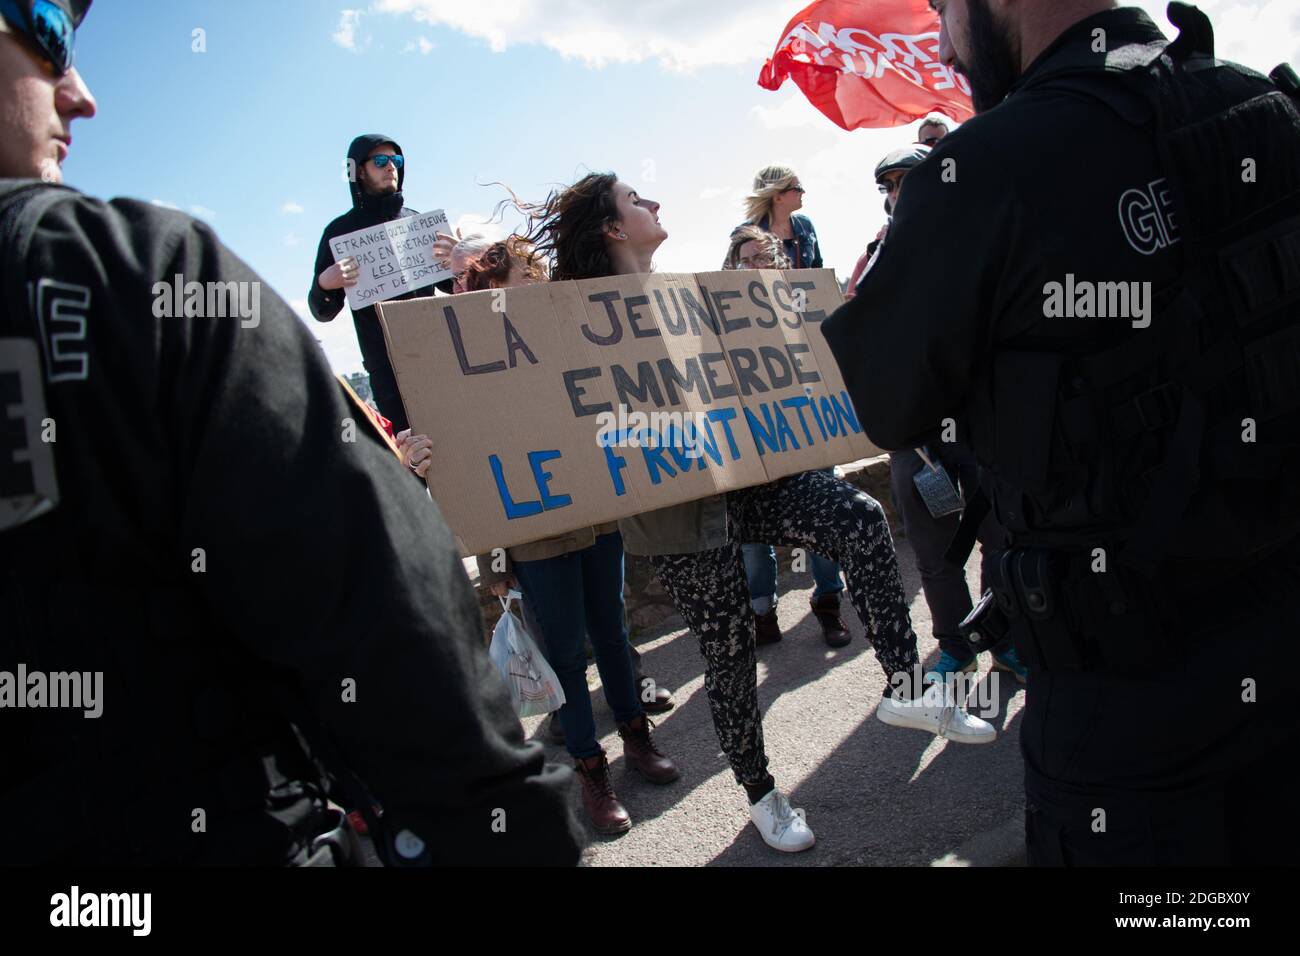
(803, 250)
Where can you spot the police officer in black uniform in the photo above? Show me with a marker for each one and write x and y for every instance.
(1118, 235)
(192, 510)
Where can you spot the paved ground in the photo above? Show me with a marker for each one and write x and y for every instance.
(874, 795)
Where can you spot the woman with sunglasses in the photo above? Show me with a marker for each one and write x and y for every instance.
(777, 196)
(573, 584)
(601, 226)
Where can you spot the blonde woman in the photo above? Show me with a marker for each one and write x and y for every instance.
(772, 207)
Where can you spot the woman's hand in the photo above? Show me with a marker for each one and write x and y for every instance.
(417, 451)
(344, 274)
(442, 246)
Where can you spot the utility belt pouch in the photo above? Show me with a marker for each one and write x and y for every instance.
(1029, 589)
(985, 627)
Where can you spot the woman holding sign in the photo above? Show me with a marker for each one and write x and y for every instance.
(601, 226)
(574, 586)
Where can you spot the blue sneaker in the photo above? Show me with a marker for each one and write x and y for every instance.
(1010, 663)
(947, 664)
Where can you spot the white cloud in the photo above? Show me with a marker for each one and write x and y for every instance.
(291, 209)
(793, 112)
(291, 240)
(476, 223)
(346, 33)
(715, 192)
(680, 35)
(422, 44)
(165, 204)
(202, 212)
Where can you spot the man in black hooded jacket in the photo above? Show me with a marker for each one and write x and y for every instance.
(208, 555)
(376, 198)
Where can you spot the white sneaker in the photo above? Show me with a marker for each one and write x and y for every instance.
(782, 827)
(937, 711)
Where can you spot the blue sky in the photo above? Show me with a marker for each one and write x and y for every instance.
(250, 135)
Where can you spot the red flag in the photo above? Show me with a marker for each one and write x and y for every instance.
(869, 64)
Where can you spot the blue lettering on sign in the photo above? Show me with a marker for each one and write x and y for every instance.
(550, 502)
(542, 478)
(654, 463)
(614, 461)
(783, 430)
(723, 416)
(762, 435)
(844, 414)
(513, 510)
(798, 403)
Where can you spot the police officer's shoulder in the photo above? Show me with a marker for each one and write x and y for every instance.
(125, 239)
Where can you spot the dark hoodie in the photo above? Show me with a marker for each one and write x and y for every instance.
(367, 210)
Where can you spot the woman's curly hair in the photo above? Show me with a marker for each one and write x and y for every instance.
(491, 270)
(569, 227)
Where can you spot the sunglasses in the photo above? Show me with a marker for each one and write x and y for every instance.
(46, 25)
(381, 160)
(889, 186)
(931, 141)
(796, 189)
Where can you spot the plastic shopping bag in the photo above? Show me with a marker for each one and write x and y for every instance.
(533, 686)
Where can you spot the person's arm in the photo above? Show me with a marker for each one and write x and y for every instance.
(496, 582)
(817, 246)
(909, 352)
(324, 560)
(324, 303)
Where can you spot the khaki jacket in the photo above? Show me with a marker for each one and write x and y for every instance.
(540, 550)
(692, 526)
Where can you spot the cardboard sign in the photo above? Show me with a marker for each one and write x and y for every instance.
(395, 257)
(566, 404)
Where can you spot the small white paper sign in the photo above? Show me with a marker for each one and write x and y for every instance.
(394, 257)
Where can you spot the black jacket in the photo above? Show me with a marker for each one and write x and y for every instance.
(1031, 195)
(324, 568)
(366, 211)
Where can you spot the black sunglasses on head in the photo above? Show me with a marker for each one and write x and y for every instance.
(48, 26)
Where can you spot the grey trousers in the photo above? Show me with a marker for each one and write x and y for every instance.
(946, 590)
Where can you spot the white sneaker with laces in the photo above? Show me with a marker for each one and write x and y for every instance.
(782, 827)
(937, 711)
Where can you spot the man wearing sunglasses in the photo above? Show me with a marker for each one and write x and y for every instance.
(376, 170)
(186, 529)
(40, 82)
(932, 130)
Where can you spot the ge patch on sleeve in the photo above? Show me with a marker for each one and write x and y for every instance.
(28, 488)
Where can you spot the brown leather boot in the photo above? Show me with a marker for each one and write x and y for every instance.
(766, 630)
(827, 610)
(604, 810)
(640, 752)
(661, 698)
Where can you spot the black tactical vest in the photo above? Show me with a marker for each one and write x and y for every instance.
(1181, 443)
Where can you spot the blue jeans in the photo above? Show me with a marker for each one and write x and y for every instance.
(573, 596)
(760, 569)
